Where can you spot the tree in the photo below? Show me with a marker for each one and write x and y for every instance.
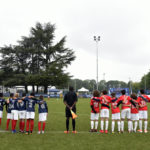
(37, 57)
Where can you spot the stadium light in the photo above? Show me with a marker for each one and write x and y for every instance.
(97, 39)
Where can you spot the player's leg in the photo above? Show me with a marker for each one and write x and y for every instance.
(68, 115)
(102, 121)
(140, 121)
(123, 114)
(15, 120)
(145, 121)
(92, 122)
(32, 122)
(118, 121)
(1, 116)
(8, 120)
(28, 122)
(128, 113)
(96, 121)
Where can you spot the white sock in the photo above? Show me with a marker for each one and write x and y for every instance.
(129, 125)
(135, 125)
(92, 124)
(140, 124)
(102, 125)
(145, 125)
(122, 125)
(96, 124)
(118, 126)
(112, 126)
(106, 125)
(132, 125)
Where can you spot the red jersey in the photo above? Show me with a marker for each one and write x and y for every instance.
(125, 101)
(95, 104)
(103, 102)
(114, 104)
(134, 110)
(142, 103)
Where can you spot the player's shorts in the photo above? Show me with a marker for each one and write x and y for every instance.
(1, 114)
(42, 116)
(68, 113)
(14, 114)
(104, 113)
(22, 114)
(9, 116)
(116, 116)
(94, 116)
(30, 115)
(143, 114)
(134, 117)
(126, 113)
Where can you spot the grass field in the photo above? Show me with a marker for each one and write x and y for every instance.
(55, 139)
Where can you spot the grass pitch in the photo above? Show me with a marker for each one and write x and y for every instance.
(55, 139)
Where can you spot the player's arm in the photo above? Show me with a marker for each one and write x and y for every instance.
(66, 104)
(143, 98)
(73, 105)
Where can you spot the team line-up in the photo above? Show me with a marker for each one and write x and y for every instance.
(24, 109)
(133, 107)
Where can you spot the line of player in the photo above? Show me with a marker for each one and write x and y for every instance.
(133, 107)
(24, 109)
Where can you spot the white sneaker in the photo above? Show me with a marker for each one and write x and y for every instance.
(38, 132)
(42, 132)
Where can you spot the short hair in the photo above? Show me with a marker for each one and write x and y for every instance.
(96, 93)
(71, 88)
(123, 92)
(1, 94)
(41, 97)
(32, 94)
(142, 91)
(113, 94)
(104, 92)
(16, 94)
(23, 94)
(134, 96)
(11, 94)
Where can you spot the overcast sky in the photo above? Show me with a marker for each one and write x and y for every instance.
(124, 27)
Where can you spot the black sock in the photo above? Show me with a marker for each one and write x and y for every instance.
(67, 124)
(73, 124)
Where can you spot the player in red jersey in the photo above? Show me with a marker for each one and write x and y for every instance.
(126, 111)
(95, 101)
(104, 100)
(115, 112)
(134, 111)
(143, 111)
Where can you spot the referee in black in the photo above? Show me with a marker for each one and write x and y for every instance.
(70, 100)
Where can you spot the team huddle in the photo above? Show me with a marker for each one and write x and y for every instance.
(23, 109)
(133, 107)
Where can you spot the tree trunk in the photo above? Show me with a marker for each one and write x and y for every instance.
(33, 88)
(26, 88)
(45, 89)
(37, 89)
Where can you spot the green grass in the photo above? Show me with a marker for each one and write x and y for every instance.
(55, 139)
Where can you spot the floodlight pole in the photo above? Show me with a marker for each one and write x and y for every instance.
(97, 39)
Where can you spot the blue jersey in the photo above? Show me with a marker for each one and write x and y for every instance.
(43, 107)
(30, 104)
(22, 106)
(2, 103)
(8, 106)
(14, 104)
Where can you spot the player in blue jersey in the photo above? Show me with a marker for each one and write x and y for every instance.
(30, 112)
(8, 110)
(22, 114)
(43, 111)
(14, 110)
(2, 103)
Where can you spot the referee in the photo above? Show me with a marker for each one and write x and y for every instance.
(70, 100)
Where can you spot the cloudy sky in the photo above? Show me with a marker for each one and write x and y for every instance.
(124, 27)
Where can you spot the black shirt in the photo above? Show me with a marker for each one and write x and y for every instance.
(70, 98)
